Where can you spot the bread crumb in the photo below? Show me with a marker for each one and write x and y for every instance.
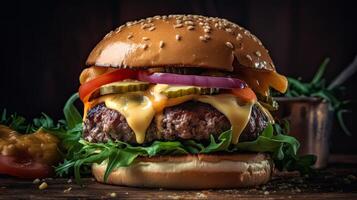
(43, 186)
(113, 194)
(36, 181)
(201, 195)
(67, 190)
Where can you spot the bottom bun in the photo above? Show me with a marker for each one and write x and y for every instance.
(200, 171)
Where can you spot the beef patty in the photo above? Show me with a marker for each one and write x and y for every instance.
(189, 120)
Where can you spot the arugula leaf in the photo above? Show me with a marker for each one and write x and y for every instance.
(120, 154)
(224, 139)
(119, 158)
(71, 114)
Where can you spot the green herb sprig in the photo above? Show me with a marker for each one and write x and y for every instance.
(318, 87)
(21, 125)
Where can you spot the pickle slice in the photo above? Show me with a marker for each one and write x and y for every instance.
(123, 87)
(120, 87)
(178, 91)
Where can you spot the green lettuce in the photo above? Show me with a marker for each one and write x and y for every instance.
(81, 154)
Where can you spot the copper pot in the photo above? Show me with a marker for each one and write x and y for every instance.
(310, 122)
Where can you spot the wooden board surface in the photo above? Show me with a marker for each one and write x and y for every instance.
(337, 182)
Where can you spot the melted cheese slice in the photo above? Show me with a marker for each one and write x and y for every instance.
(137, 110)
(266, 113)
(140, 108)
(237, 115)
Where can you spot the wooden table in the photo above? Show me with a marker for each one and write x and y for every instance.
(336, 182)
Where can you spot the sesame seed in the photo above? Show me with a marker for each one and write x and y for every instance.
(109, 34)
(43, 186)
(207, 30)
(145, 46)
(207, 37)
(229, 45)
(258, 53)
(258, 65)
(178, 25)
(189, 23)
(162, 44)
(239, 37)
(190, 28)
(145, 26)
(216, 25)
(178, 21)
(178, 37)
(152, 28)
(145, 38)
(69, 181)
(249, 57)
(229, 30)
(203, 39)
(266, 193)
(117, 30)
(246, 32)
(200, 23)
(130, 36)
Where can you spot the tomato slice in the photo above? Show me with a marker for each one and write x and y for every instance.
(24, 167)
(245, 94)
(117, 75)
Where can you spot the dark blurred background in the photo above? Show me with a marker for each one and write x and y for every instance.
(44, 45)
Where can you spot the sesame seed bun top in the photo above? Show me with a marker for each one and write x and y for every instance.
(183, 41)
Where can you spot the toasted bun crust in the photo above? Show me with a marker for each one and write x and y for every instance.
(181, 41)
(192, 172)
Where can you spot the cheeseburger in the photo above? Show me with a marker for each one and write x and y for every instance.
(168, 92)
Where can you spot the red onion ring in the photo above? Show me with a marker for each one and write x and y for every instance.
(192, 80)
